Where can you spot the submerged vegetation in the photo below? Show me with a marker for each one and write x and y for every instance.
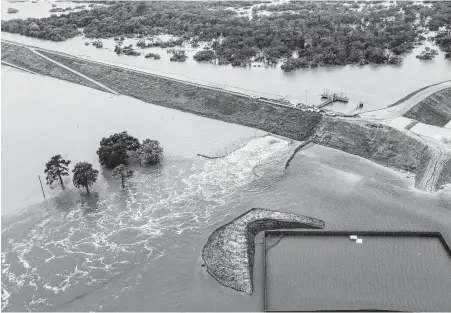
(117, 148)
(302, 34)
(84, 175)
(443, 40)
(159, 43)
(127, 50)
(177, 55)
(12, 10)
(427, 54)
(55, 169)
(154, 56)
(121, 173)
(150, 152)
(55, 9)
(114, 151)
(98, 44)
(204, 55)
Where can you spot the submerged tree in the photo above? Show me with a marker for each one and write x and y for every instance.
(150, 152)
(55, 168)
(178, 56)
(12, 10)
(122, 173)
(204, 55)
(113, 150)
(84, 175)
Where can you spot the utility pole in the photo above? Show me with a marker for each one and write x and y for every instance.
(42, 188)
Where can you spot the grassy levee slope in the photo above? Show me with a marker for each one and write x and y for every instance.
(23, 57)
(434, 110)
(228, 107)
(378, 143)
(445, 175)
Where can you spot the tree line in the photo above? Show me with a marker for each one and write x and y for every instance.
(114, 153)
(317, 33)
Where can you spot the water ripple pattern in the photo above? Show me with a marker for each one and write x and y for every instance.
(97, 239)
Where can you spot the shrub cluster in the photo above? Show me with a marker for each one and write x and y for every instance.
(154, 56)
(204, 55)
(177, 55)
(117, 148)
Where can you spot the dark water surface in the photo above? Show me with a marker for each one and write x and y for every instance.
(327, 273)
(139, 249)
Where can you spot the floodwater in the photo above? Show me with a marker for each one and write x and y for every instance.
(384, 273)
(139, 249)
(36, 10)
(376, 85)
(56, 117)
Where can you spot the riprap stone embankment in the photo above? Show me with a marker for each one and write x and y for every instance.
(229, 251)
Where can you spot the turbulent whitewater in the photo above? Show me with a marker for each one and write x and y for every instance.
(83, 243)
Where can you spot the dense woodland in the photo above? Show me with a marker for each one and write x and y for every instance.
(303, 34)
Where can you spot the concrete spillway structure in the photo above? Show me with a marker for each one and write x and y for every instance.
(229, 251)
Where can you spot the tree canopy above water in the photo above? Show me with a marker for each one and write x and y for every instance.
(56, 168)
(324, 33)
(113, 149)
(150, 152)
(121, 173)
(12, 10)
(84, 175)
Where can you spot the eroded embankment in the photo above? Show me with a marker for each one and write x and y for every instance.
(376, 142)
(25, 58)
(434, 110)
(229, 251)
(200, 100)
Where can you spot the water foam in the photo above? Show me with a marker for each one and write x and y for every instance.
(97, 241)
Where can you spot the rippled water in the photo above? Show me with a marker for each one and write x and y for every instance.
(91, 241)
(61, 249)
(336, 273)
(139, 249)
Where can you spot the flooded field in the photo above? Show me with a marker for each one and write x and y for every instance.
(80, 118)
(139, 249)
(376, 85)
(37, 9)
(382, 273)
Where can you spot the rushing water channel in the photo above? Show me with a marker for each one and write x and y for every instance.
(139, 249)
